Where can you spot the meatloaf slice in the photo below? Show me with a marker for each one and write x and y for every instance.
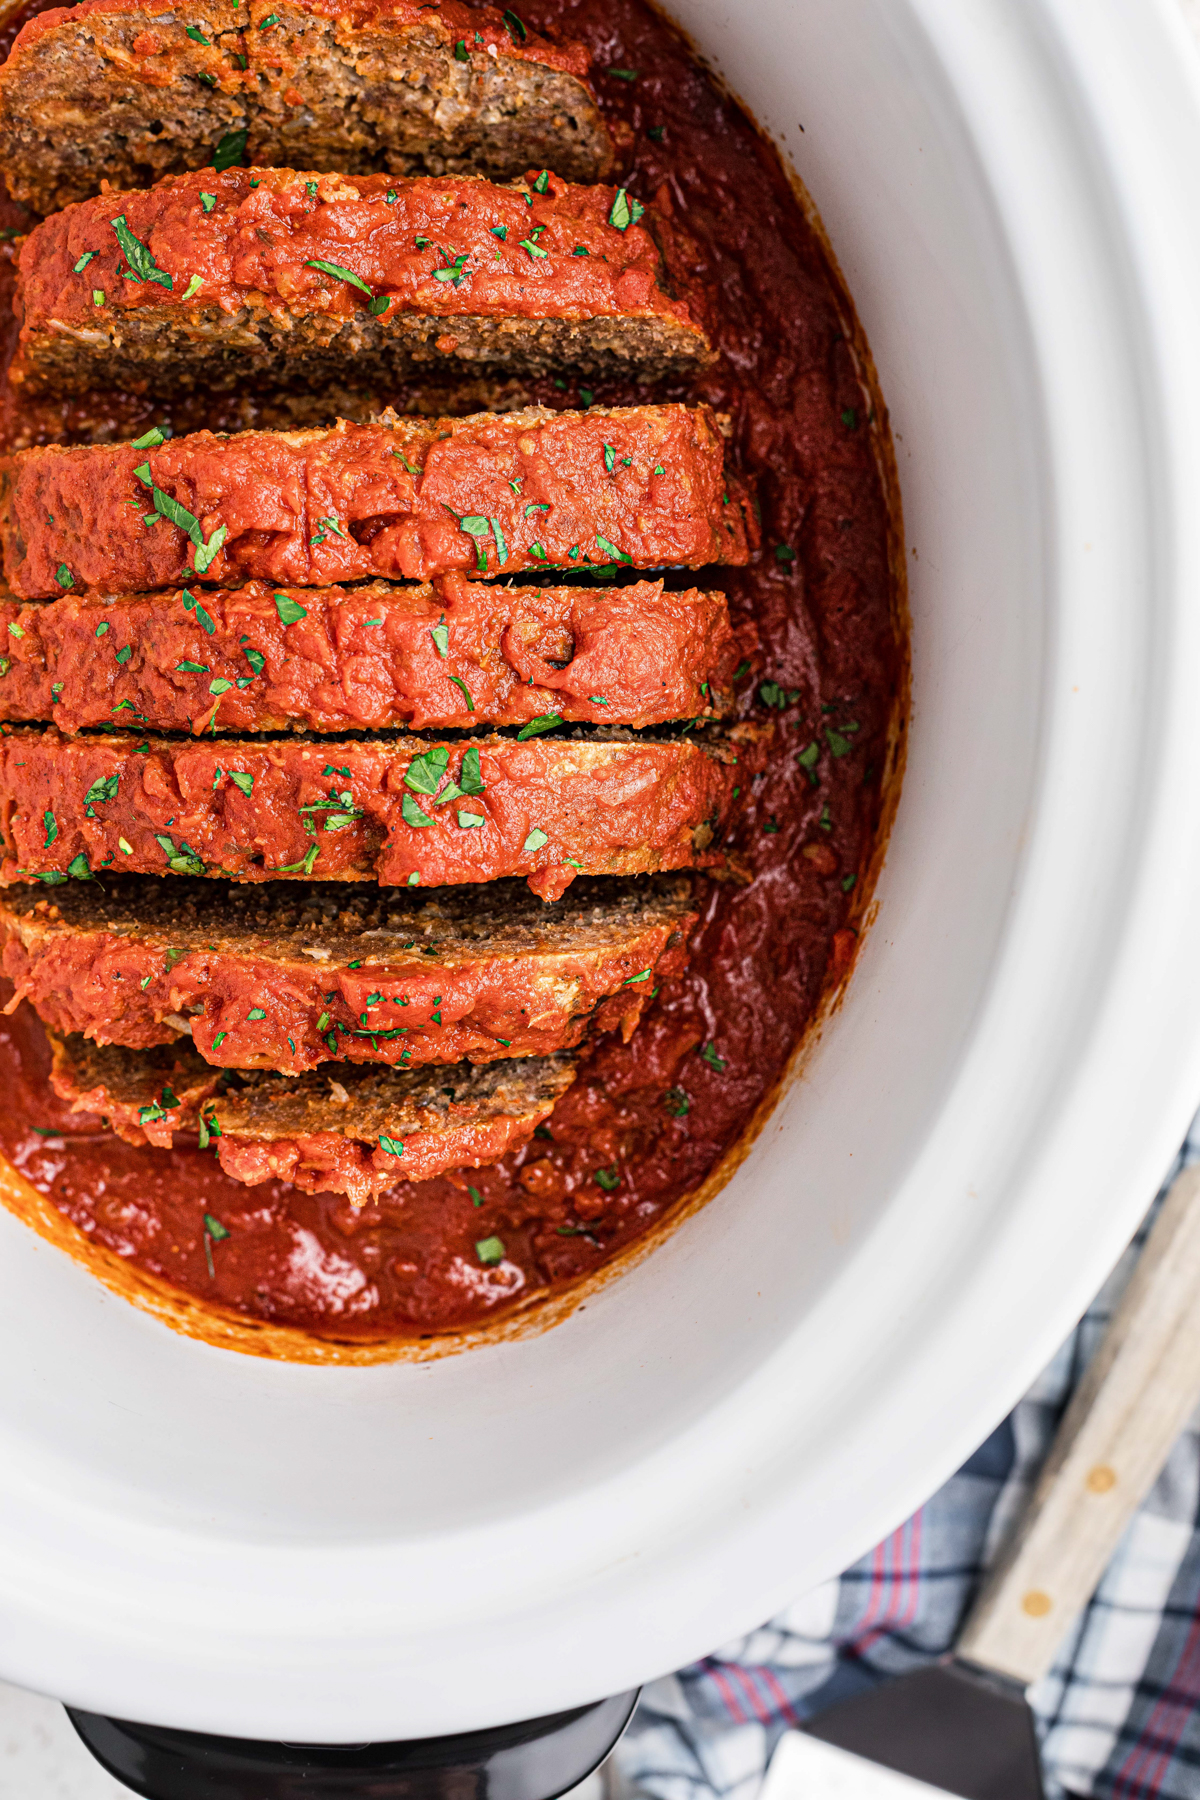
(274, 274)
(131, 90)
(342, 1129)
(397, 810)
(285, 975)
(374, 657)
(401, 499)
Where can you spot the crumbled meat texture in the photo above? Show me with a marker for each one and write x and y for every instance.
(284, 975)
(341, 1128)
(644, 486)
(401, 811)
(133, 90)
(370, 658)
(244, 285)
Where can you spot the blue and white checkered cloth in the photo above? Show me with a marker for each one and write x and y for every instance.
(1119, 1713)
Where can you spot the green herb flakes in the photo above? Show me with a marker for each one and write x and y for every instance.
(290, 611)
(608, 1179)
(848, 882)
(625, 211)
(476, 1196)
(535, 727)
(97, 296)
(124, 653)
(51, 824)
(850, 419)
(468, 819)
(489, 1250)
(440, 633)
(256, 1012)
(208, 201)
(807, 758)
(149, 440)
(411, 812)
(536, 839)
(459, 683)
(677, 1103)
(392, 1146)
(83, 262)
(126, 849)
(340, 274)
(193, 287)
(709, 1053)
(64, 578)
(515, 26)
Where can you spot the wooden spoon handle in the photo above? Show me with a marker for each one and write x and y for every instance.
(1134, 1400)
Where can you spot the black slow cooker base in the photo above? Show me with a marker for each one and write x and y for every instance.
(536, 1759)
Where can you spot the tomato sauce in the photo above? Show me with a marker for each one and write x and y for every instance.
(645, 1123)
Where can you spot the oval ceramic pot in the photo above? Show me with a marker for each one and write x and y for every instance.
(233, 1546)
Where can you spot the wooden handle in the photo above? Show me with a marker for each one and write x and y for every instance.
(1134, 1400)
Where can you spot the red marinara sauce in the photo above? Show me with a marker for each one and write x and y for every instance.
(647, 1122)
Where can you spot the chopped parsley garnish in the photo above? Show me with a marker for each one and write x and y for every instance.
(489, 1250)
(425, 773)
(84, 260)
(807, 758)
(536, 550)
(64, 578)
(290, 611)
(197, 36)
(392, 1146)
(167, 508)
(219, 1039)
(202, 615)
(623, 74)
(537, 837)
(710, 1056)
(208, 201)
(311, 186)
(743, 668)
(825, 821)
(324, 527)
(848, 882)
(456, 272)
(51, 824)
(102, 789)
(459, 683)
(630, 979)
(468, 819)
(461, 53)
(216, 1231)
(440, 633)
(271, 19)
(411, 812)
(586, 395)
(784, 553)
(15, 630)
(532, 247)
(124, 653)
(546, 722)
(470, 775)
(193, 286)
(515, 26)
(241, 779)
(183, 861)
(79, 868)
(677, 1103)
(256, 1012)
(336, 270)
(602, 543)
(839, 745)
(608, 1179)
(194, 668)
(149, 440)
(500, 231)
(476, 1196)
(625, 211)
(138, 255)
(126, 849)
(412, 469)
(597, 700)
(850, 419)
(655, 132)
(610, 457)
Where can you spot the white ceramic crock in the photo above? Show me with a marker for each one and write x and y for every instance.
(205, 1540)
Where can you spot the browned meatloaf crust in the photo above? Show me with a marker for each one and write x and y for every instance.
(284, 976)
(131, 90)
(377, 657)
(402, 499)
(397, 810)
(293, 277)
(341, 1129)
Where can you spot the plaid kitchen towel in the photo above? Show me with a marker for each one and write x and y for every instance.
(1119, 1714)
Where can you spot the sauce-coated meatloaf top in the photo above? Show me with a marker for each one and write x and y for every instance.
(132, 90)
(343, 1129)
(397, 810)
(456, 654)
(283, 975)
(403, 499)
(210, 278)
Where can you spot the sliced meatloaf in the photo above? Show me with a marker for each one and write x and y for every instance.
(455, 654)
(402, 499)
(341, 1129)
(397, 810)
(286, 975)
(131, 90)
(209, 280)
